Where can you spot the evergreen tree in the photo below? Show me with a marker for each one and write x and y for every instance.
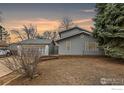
(109, 28)
(3, 34)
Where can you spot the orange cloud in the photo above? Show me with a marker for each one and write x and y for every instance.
(46, 24)
(83, 20)
(42, 24)
(85, 23)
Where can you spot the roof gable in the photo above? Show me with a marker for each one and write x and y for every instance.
(61, 39)
(81, 29)
(65, 34)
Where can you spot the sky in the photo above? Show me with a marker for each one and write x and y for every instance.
(46, 16)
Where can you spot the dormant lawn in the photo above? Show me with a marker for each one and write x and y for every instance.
(77, 71)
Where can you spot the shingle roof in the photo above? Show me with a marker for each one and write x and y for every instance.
(71, 36)
(74, 28)
(35, 41)
(82, 32)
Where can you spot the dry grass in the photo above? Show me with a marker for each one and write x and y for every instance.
(75, 70)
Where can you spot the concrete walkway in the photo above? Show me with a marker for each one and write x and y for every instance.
(3, 69)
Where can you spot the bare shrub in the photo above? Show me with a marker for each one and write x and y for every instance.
(25, 62)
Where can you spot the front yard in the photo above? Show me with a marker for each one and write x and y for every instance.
(77, 71)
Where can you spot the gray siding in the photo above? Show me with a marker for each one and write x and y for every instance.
(52, 49)
(78, 46)
(70, 33)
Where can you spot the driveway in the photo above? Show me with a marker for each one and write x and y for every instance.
(3, 69)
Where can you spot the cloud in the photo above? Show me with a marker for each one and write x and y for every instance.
(85, 23)
(83, 20)
(42, 24)
(46, 24)
(87, 10)
(40, 21)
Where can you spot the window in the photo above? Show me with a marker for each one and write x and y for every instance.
(92, 46)
(68, 44)
(42, 50)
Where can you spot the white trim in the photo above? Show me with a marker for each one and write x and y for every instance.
(68, 45)
(46, 50)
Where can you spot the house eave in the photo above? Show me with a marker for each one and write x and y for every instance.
(34, 44)
(73, 36)
(74, 28)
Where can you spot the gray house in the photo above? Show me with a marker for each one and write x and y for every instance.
(44, 46)
(77, 41)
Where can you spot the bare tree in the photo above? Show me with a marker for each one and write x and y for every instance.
(24, 63)
(18, 34)
(66, 23)
(47, 34)
(27, 32)
(53, 35)
(38, 36)
(8, 39)
(30, 31)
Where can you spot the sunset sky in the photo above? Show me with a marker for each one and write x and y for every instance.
(46, 16)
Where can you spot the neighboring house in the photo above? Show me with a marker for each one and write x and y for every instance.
(77, 41)
(44, 46)
(13, 46)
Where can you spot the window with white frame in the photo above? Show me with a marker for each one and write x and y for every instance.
(42, 50)
(92, 46)
(68, 44)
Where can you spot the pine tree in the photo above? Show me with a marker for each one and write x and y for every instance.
(109, 28)
(3, 34)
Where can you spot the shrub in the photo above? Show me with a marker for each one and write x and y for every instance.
(24, 63)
